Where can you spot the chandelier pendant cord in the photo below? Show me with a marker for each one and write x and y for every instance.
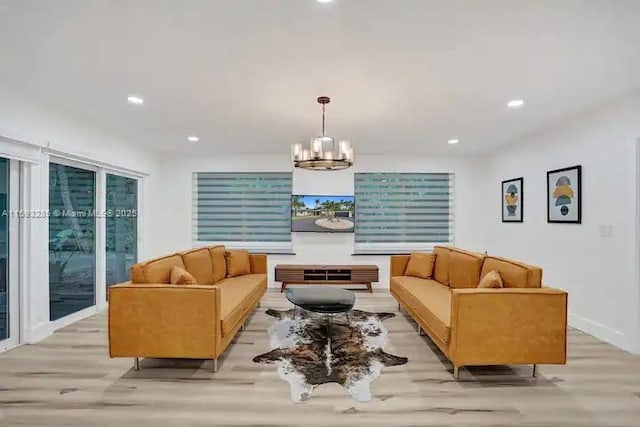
(333, 142)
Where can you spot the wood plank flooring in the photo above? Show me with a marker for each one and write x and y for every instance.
(69, 380)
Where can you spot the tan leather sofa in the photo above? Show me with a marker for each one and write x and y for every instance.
(148, 317)
(522, 323)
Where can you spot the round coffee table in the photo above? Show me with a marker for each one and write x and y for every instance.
(321, 299)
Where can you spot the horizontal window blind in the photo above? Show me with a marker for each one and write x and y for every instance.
(242, 207)
(403, 211)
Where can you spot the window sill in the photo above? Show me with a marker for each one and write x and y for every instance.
(380, 253)
(259, 252)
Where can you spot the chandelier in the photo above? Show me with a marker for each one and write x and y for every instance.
(322, 152)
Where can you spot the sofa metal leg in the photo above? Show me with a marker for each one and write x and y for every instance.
(399, 307)
(242, 327)
(534, 372)
(456, 372)
(215, 365)
(136, 364)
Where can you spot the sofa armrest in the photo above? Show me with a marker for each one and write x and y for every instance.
(159, 320)
(508, 326)
(258, 263)
(399, 264)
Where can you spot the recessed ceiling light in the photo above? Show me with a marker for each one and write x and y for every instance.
(193, 138)
(135, 100)
(515, 103)
(453, 141)
(324, 1)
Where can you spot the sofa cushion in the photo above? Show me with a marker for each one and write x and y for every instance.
(238, 262)
(420, 265)
(239, 295)
(218, 262)
(137, 273)
(159, 270)
(514, 274)
(430, 300)
(180, 276)
(464, 269)
(198, 263)
(491, 280)
(441, 268)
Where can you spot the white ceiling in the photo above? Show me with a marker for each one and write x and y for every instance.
(244, 74)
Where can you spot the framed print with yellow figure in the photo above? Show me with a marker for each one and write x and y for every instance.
(512, 200)
(564, 195)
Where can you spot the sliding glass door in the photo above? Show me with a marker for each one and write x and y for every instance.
(9, 253)
(122, 227)
(72, 233)
(4, 251)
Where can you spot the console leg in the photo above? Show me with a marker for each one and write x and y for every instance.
(534, 372)
(369, 287)
(456, 372)
(283, 287)
(215, 365)
(136, 364)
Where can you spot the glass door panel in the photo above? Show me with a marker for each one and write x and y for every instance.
(122, 227)
(72, 230)
(4, 250)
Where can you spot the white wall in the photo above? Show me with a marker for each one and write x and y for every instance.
(600, 273)
(318, 248)
(40, 127)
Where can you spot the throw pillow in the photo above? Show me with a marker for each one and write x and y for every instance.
(238, 262)
(180, 276)
(420, 265)
(491, 280)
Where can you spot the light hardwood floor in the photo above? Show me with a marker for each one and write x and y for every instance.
(68, 380)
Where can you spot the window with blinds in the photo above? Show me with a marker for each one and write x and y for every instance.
(397, 212)
(240, 208)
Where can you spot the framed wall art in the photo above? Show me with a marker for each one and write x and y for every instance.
(512, 200)
(564, 195)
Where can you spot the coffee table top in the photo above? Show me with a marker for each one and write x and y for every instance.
(321, 299)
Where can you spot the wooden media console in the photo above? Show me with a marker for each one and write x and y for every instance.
(326, 275)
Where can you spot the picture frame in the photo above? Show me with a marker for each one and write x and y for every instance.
(564, 195)
(512, 200)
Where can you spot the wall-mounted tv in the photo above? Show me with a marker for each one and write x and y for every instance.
(323, 214)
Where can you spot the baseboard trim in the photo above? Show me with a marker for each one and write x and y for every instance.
(44, 329)
(600, 331)
(38, 333)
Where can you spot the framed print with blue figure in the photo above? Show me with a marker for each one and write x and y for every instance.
(512, 200)
(564, 195)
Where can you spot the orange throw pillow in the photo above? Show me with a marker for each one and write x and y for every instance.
(491, 280)
(180, 276)
(238, 263)
(421, 265)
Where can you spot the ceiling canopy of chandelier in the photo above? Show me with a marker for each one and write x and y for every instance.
(322, 152)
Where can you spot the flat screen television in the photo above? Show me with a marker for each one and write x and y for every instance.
(323, 214)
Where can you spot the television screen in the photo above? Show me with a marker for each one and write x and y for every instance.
(323, 214)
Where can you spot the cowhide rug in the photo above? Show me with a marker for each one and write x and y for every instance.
(302, 355)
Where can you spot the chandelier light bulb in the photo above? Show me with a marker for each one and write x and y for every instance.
(296, 152)
(317, 145)
(350, 155)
